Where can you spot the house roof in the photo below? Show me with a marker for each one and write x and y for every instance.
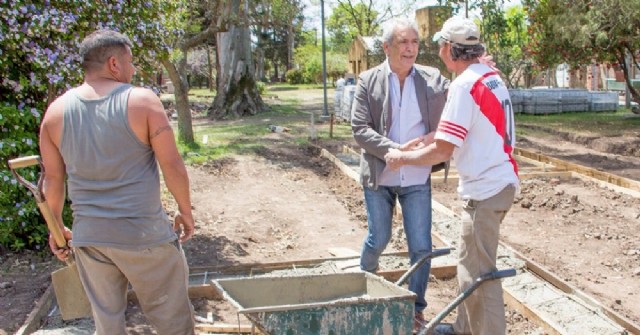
(370, 42)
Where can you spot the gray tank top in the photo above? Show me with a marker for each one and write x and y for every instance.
(113, 178)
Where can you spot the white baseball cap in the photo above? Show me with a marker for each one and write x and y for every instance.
(459, 30)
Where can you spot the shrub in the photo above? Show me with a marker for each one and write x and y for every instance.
(38, 60)
(20, 223)
(294, 77)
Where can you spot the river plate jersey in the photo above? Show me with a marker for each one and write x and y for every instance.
(478, 120)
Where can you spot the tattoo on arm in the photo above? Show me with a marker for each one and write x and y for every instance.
(159, 131)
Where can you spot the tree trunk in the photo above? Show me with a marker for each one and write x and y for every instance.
(259, 64)
(290, 45)
(627, 66)
(211, 83)
(185, 129)
(237, 93)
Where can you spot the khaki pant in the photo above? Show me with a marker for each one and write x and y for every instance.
(482, 313)
(159, 276)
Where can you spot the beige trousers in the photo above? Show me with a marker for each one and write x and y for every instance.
(482, 313)
(159, 276)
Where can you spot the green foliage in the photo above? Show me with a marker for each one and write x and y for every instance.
(505, 35)
(262, 87)
(581, 32)
(20, 223)
(347, 21)
(38, 60)
(294, 76)
(309, 59)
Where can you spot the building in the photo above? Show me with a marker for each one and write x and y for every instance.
(366, 51)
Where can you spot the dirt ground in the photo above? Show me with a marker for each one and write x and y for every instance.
(286, 202)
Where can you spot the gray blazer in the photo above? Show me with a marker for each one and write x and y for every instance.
(371, 114)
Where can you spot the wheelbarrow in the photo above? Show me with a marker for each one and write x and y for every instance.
(341, 303)
(428, 328)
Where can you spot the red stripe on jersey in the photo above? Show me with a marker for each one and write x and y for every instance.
(453, 129)
(492, 109)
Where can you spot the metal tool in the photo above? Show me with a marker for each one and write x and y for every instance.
(416, 265)
(70, 294)
(466, 293)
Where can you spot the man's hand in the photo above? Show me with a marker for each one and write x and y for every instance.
(61, 253)
(487, 60)
(394, 159)
(185, 225)
(413, 144)
(428, 138)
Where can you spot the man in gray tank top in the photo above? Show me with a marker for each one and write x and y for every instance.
(107, 138)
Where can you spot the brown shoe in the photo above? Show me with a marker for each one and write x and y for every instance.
(418, 322)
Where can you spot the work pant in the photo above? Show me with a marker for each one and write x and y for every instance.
(415, 202)
(482, 313)
(158, 275)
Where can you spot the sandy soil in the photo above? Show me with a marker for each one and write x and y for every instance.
(287, 203)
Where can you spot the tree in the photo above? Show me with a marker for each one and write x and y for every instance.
(505, 35)
(361, 18)
(308, 57)
(237, 92)
(192, 28)
(580, 32)
(277, 25)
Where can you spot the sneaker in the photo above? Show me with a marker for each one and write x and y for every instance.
(418, 322)
(444, 329)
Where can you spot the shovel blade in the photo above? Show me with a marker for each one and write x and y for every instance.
(70, 294)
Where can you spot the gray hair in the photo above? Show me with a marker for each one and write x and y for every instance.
(96, 48)
(466, 52)
(396, 23)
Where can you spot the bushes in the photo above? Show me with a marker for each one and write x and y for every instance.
(20, 223)
(39, 60)
(294, 77)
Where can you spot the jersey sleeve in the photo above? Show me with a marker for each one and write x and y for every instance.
(457, 117)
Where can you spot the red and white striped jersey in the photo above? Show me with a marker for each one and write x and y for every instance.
(478, 120)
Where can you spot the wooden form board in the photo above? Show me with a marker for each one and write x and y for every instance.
(583, 170)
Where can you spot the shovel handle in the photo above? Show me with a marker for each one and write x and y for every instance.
(49, 218)
(21, 162)
(52, 224)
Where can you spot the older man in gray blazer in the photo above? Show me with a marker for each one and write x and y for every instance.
(394, 103)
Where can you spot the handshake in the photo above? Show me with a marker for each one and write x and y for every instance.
(396, 158)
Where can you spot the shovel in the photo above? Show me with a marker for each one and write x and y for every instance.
(70, 294)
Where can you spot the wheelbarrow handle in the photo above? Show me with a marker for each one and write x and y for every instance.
(498, 274)
(463, 295)
(416, 265)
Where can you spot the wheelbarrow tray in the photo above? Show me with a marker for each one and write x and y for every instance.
(343, 303)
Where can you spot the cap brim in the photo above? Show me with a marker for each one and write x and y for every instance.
(437, 36)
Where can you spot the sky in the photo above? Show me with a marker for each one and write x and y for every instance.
(313, 18)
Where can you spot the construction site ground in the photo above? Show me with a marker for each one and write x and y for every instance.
(287, 203)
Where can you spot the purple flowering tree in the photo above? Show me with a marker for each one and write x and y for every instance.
(38, 61)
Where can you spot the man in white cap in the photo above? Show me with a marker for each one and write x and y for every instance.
(477, 130)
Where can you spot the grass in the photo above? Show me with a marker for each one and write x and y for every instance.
(289, 87)
(621, 122)
(224, 138)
